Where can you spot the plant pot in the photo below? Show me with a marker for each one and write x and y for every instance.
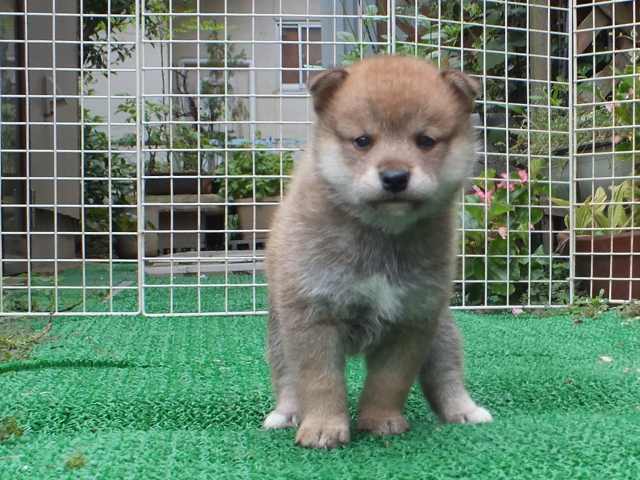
(126, 246)
(181, 186)
(264, 216)
(622, 265)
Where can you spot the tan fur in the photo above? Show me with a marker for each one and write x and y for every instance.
(354, 269)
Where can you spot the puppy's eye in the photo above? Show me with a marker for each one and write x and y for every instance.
(425, 142)
(363, 141)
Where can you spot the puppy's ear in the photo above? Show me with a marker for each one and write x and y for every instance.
(324, 85)
(465, 87)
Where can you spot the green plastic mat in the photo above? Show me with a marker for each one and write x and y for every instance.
(116, 398)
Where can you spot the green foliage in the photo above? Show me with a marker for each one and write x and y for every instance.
(441, 42)
(627, 109)
(619, 108)
(593, 308)
(587, 307)
(271, 168)
(543, 131)
(97, 165)
(358, 49)
(95, 25)
(158, 132)
(615, 211)
(96, 50)
(599, 215)
(498, 244)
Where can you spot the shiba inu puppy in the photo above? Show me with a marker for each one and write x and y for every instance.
(361, 255)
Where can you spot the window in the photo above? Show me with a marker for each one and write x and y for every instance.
(300, 54)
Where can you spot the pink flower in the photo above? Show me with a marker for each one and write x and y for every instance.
(524, 176)
(482, 195)
(489, 196)
(517, 311)
(506, 183)
(502, 231)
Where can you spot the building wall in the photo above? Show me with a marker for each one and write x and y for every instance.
(42, 162)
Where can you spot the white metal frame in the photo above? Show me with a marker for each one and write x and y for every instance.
(201, 282)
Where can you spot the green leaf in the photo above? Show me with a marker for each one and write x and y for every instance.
(474, 216)
(583, 218)
(499, 208)
(599, 200)
(498, 246)
(475, 268)
(600, 220)
(536, 215)
(497, 268)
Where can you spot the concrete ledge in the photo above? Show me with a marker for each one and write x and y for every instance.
(209, 261)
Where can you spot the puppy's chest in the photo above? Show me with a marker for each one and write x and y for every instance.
(373, 297)
(378, 283)
(375, 294)
(368, 307)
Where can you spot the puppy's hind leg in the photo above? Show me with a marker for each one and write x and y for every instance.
(285, 414)
(441, 377)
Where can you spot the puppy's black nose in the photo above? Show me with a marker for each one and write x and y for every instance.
(394, 181)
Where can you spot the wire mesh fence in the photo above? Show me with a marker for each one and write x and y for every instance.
(605, 145)
(68, 171)
(146, 143)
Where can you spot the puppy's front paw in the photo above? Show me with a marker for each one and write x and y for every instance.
(277, 419)
(391, 424)
(475, 414)
(323, 432)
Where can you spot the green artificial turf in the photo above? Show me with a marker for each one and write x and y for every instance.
(132, 397)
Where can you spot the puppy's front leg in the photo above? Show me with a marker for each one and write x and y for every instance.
(441, 377)
(391, 370)
(316, 352)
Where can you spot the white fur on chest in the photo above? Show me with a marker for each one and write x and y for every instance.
(343, 292)
(377, 293)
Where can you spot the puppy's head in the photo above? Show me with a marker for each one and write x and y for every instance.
(393, 137)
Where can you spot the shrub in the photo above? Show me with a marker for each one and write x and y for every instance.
(271, 169)
(500, 216)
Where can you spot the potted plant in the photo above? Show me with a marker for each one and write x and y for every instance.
(160, 177)
(126, 246)
(606, 243)
(248, 187)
